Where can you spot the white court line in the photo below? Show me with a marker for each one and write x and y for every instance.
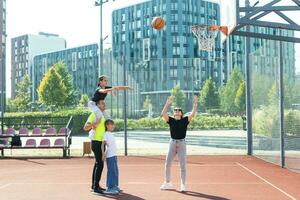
(162, 165)
(252, 172)
(191, 183)
(4, 186)
(140, 183)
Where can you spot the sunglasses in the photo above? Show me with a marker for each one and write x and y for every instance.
(177, 109)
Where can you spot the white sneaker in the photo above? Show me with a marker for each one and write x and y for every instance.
(182, 188)
(166, 186)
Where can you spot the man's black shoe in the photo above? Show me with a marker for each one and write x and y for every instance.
(98, 191)
(103, 189)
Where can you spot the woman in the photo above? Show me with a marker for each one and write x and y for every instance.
(178, 126)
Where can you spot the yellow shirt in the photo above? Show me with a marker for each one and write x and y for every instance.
(100, 129)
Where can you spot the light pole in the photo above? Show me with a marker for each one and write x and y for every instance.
(100, 3)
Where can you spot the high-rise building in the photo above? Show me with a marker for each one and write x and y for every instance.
(168, 57)
(262, 53)
(24, 48)
(3, 54)
(81, 62)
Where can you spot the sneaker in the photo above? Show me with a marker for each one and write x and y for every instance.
(118, 189)
(182, 188)
(98, 191)
(166, 186)
(111, 191)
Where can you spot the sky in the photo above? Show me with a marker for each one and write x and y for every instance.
(75, 20)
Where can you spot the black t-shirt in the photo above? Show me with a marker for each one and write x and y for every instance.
(99, 95)
(178, 127)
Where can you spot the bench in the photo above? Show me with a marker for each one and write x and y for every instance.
(62, 139)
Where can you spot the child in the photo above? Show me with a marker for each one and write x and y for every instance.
(100, 94)
(112, 179)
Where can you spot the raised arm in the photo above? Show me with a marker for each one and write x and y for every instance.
(164, 112)
(194, 111)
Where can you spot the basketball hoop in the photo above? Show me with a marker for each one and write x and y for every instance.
(206, 35)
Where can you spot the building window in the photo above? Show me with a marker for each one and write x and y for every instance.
(146, 49)
(176, 40)
(176, 51)
(74, 61)
(45, 64)
(138, 24)
(139, 13)
(174, 6)
(155, 9)
(173, 73)
(174, 28)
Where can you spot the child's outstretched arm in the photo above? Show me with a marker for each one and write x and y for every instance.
(106, 90)
(123, 88)
(115, 88)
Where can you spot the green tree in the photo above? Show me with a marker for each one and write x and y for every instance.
(147, 103)
(209, 97)
(240, 98)
(261, 85)
(84, 100)
(290, 90)
(72, 94)
(52, 91)
(273, 97)
(178, 97)
(22, 100)
(228, 92)
(10, 106)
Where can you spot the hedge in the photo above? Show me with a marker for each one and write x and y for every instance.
(80, 116)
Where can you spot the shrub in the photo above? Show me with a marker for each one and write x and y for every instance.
(80, 116)
(266, 122)
(292, 123)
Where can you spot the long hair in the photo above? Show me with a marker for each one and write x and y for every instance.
(101, 79)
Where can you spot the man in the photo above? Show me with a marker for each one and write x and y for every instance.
(178, 126)
(99, 129)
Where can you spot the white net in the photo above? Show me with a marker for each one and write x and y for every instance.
(205, 36)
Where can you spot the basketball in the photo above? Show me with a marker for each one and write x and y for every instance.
(158, 23)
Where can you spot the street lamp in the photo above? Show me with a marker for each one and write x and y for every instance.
(100, 3)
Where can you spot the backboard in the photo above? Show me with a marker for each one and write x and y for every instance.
(228, 16)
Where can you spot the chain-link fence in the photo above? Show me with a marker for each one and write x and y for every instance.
(265, 77)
